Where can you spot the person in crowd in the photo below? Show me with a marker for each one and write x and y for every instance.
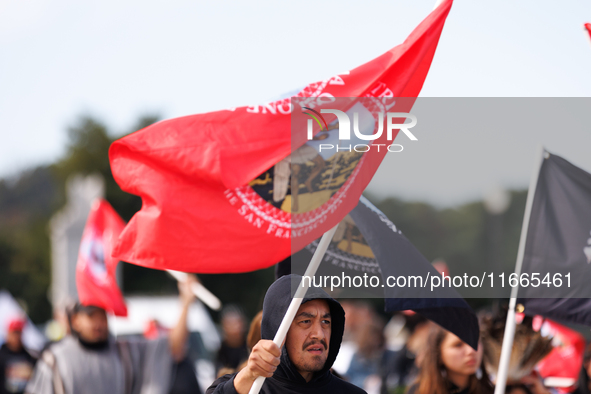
(529, 384)
(303, 363)
(91, 361)
(183, 379)
(450, 366)
(584, 381)
(16, 363)
(254, 332)
(405, 366)
(233, 350)
(252, 338)
(57, 328)
(365, 369)
(356, 314)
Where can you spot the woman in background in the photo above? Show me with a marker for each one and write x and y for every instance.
(450, 366)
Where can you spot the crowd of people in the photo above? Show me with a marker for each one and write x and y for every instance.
(331, 347)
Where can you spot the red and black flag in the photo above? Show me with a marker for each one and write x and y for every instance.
(96, 270)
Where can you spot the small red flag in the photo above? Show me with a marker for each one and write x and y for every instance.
(588, 27)
(566, 359)
(95, 271)
(203, 210)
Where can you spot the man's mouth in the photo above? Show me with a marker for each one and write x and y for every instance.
(316, 348)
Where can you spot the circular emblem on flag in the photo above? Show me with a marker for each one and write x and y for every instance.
(93, 256)
(299, 192)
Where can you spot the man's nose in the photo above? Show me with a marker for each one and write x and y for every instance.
(317, 332)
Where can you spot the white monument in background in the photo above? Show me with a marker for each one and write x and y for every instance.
(66, 229)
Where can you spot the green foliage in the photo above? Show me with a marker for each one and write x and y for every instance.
(87, 145)
(461, 236)
(30, 196)
(25, 267)
(468, 238)
(26, 204)
(88, 152)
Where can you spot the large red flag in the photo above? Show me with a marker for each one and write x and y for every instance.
(206, 206)
(95, 272)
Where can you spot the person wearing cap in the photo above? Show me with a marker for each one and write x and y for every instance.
(90, 361)
(16, 363)
(311, 346)
(233, 350)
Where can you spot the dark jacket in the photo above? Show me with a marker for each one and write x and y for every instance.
(287, 380)
(15, 370)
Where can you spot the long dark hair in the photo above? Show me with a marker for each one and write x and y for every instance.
(432, 378)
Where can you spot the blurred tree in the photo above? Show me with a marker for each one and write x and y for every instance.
(458, 235)
(31, 269)
(26, 204)
(88, 152)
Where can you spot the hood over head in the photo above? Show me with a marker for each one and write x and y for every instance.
(275, 306)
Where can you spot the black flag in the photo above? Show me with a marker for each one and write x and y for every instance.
(557, 258)
(367, 242)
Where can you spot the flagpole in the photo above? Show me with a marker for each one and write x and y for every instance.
(200, 291)
(297, 299)
(509, 335)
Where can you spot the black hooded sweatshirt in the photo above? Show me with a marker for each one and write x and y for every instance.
(287, 380)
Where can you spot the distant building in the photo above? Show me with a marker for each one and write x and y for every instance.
(66, 229)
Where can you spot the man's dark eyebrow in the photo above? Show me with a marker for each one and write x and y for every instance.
(306, 314)
(310, 315)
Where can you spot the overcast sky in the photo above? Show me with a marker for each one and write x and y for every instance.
(117, 60)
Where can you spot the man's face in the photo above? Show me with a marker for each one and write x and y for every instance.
(233, 326)
(92, 327)
(308, 337)
(14, 340)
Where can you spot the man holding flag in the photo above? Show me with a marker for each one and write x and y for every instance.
(91, 361)
(311, 347)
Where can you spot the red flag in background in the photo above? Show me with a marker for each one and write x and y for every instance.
(588, 27)
(566, 359)
(95, 271)
(204, 204)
